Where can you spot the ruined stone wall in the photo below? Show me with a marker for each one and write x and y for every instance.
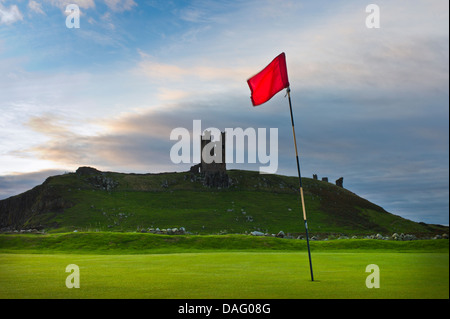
(339, 181)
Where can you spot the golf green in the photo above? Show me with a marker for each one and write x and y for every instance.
(226, 275)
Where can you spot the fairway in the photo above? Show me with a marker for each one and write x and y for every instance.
(226, 275)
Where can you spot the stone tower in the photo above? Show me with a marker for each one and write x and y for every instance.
(213, 173)
(219, 166)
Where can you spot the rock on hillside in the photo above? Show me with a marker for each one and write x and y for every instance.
(17, 211)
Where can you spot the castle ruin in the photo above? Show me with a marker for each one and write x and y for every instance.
(339, 181)
(213, 173)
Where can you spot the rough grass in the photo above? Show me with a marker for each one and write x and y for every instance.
(144, 243)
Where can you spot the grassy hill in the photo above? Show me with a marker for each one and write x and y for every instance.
(91, 200)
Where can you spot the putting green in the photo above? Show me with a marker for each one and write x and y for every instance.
(226, 275)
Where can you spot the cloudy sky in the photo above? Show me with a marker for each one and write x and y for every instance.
(370, 105)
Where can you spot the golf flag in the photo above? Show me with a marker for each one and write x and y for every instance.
(264, 85)
(271, 80)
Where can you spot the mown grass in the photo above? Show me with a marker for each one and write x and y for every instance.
(229, 275)
(136, 265)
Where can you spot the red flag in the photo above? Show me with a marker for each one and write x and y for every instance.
(271, 80)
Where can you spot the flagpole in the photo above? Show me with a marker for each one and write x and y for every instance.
(288, 90)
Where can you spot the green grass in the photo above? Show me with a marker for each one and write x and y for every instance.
(135, 265)
(145, 243)
(121, 264)
(225, 275)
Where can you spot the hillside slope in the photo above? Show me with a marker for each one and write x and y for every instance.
(108, 201)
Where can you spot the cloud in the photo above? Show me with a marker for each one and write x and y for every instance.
(133, 141)
(126, 142)
(62, 4)
(157, 71)
(191, 79)
(14, 184)
(321, 48)
(165, 94)
(10, 15)
(120, 5)
(113, 5)
(35, 7)
(207, 12)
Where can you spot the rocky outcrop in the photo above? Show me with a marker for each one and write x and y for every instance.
(97, 178)
(31, 209)
(87, 171)
(25, 210)
(216, 179)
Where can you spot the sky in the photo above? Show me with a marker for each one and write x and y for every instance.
(369, 104)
